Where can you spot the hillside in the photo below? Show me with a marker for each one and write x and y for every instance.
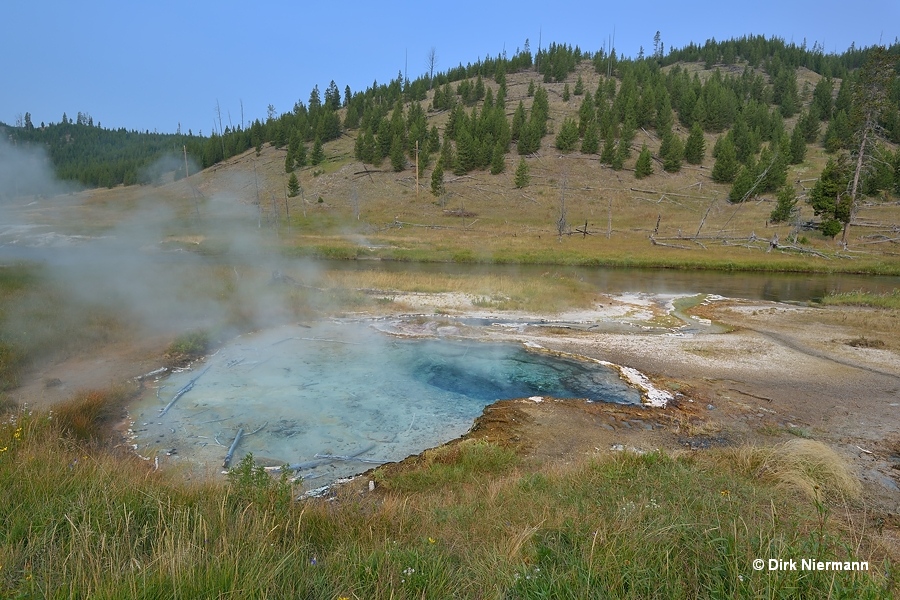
(345, 207)
(573, 125)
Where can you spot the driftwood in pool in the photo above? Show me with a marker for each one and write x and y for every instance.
(237, 440)
(371, 461)
(234, 444)
(183, 391)
(311, 464)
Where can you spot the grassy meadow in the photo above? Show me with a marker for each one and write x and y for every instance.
(469, 520)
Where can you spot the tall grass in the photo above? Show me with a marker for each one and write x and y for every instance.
(860, 298)
(467, 521)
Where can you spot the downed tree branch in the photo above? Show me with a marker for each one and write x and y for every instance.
(657, 243)
(258, 429)
(153, 373)
(371, 461)
(183, 391)
(231, 450)
(896, 239)
(751, 395)
(310, 464)
(400, 224)
(670, 194)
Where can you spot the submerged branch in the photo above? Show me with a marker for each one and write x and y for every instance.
(234, 444)
(183, 391)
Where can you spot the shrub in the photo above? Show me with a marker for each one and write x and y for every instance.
(191, 344)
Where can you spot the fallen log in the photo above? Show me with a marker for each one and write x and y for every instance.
(153, 373)
(372, 461)
(231, 450)
(183, 391)
(310, 464)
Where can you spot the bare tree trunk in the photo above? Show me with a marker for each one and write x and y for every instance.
(561, 225)
(859, 167)
(221, 131)
(431, 61)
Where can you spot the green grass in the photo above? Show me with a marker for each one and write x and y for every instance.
(41, 321)
(859, 298)
(14, 279)
(468, 521)
(191, 344)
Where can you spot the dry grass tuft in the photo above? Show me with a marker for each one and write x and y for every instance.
(807, 466)
(88, 414)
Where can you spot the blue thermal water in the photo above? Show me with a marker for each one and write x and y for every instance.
(340, 388)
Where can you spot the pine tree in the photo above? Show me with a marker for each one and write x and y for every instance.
(300, 157)
(609, 149)
(567, 138)
(566, 94)
(498, 160)
(518, 121)
(586, 113)
(671, 151)
(744, 182)
(383, 139)
(434, 140)
(622, 152)
(785, 91)
(809, 125)
(579, 86)
(774, 160)
(626, 137)
(591, 142)
(293, 186)
(829, 198)
(726, 166)
(398, 157)
(466, 154)
(479, 89)
(644, 165)
(897, 173)
(448, 156)
(695, 147)
(529, 138)
(318, 152)
(437, 180)
(522, 177)
(839, 133)
(786, 203)
(365, 146)
(798, 145)
(664, 118)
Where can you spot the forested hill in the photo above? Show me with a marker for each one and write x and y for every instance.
(751, 97)
(97, 157)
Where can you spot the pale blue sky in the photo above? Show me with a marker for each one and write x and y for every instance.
(153, 65)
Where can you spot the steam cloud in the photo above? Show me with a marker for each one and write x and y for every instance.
(127, 263)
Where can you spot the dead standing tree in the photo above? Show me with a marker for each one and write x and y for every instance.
(430, 64)
(870, 97)
(562, 227)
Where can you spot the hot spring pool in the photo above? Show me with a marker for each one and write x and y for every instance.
(341, 388)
